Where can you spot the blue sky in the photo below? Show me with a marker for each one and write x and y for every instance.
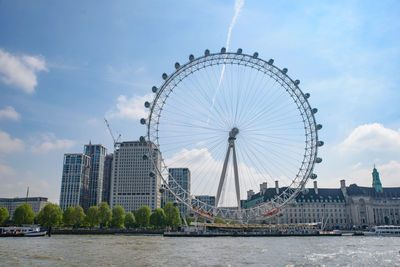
(65, 65)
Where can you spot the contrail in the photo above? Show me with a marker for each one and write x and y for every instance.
(237, 9)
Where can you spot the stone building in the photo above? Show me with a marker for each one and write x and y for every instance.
(36, 203)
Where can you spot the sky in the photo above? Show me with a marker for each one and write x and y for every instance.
(65, 65)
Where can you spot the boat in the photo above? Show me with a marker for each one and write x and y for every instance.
(384, 230)
(21, 231)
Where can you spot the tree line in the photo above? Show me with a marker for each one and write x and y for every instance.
(96, 216)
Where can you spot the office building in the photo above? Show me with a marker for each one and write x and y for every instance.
(97, 154)
(179, 181)
(75, 181)
(135, 181)
(37, 203)
(107, 178)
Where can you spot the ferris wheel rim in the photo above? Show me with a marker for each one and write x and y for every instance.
(280, 75)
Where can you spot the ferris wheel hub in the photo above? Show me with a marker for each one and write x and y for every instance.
(233, 133)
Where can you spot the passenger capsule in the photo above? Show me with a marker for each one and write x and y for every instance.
(255, 55)
(320, 143)
(297, 82)
(147, 104)
(271, 61)
(307, 95)
(314, 110)
(318, 160)
(177, 65)
(164, 76)
(207, 52)
(142, 139)
(314, 176)
(223, 50)
(154, 89)
(145, 157)
(152, 174)
(319, 126)
(239, 51)
(161, 190)
(285, 70)
(191, 57)
(143, 121)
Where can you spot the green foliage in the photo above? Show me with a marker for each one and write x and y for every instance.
(50, 215)
(79, 216)
(118, 217)
(129, 220)
(158, 218)
(218, 220)
(69, 216)
(143, 216)
(4, 215)
(189, 220)
(104, 214)
(23, 214)
(92, 216)
(173, 218)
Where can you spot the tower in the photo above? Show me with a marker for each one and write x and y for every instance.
(97, 154)
(376, 182)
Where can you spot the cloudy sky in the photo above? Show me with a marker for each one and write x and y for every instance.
(65, 65)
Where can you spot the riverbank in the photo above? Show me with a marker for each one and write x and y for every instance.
(107, 231)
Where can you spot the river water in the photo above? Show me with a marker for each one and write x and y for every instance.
(119, 250)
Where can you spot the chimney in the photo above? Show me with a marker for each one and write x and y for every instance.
(315, 187)
(263, 188)
(277, 187)
(343, 186)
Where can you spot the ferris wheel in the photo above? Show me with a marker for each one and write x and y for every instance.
(242, 127)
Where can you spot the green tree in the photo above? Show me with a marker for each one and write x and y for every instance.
(92, 216)
(4, 215)
(218, 220)
(104, 214)
(50, 215)
(79, 216)
(129, 220)
(143, 216)
(23, 214)
(158, 218)
(118, 217)
(69, 216)
(172, 215)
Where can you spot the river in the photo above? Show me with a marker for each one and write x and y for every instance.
(119, 250)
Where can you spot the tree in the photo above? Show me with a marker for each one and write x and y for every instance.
(79, 216)
(118, 217)
(104, 214)
(129, 220)
(92, 216)
(23, 214)
(143, 216)
(158, 218)
(69, 216)
(4, 215)
(172, 215)
(50, 215)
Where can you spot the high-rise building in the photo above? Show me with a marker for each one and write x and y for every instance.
(107, 178)
(180, 177)
(97, 154)
(206, 199)
(75, 181)
(135, 181)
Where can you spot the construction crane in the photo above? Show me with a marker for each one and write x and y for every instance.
(116, 141)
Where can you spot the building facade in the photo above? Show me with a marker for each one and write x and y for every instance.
(75, 181)
(107, 178)
(97, 154)
(135, 181)
(37, 203)
(179, 181)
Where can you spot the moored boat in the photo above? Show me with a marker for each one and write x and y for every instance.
(384, 230)
(21, 231)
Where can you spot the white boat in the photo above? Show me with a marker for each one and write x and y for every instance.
(385, 230)
(28, 231)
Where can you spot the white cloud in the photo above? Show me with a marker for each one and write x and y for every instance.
(50, 142)
(371, 137)
(9, 113)
(9, 145)
(6, 171)
(131, 108)
(20, 71)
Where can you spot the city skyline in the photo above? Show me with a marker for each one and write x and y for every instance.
(59, 80)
